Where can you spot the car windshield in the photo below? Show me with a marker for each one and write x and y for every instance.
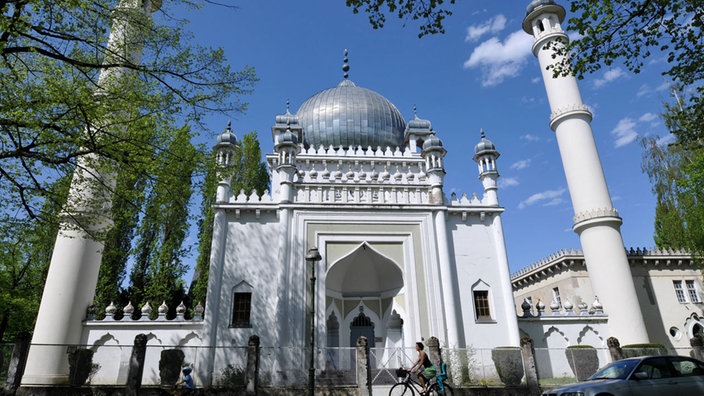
(616, 370)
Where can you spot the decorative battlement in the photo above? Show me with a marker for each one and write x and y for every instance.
(565, 257)
(146, 311)
(564, 310)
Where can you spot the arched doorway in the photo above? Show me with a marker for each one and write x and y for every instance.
(363, 281)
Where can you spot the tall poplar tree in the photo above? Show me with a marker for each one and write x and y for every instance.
(156, 274)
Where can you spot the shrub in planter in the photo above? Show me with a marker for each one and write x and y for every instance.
(634, 350)
(583, 360)
(509, 364)
(80, 363)
(170, 366)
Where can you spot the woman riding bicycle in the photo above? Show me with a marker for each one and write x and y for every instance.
(424, 366)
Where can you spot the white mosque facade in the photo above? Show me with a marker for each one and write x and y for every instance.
(356, 238)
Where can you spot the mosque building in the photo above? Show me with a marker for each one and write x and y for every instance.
(358, 238)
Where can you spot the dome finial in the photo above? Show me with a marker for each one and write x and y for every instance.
(482, 133)
(345, 66)
(288, 104)
(229, 124)
(415, 114)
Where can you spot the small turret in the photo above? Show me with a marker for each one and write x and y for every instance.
(485, 156)
(433, 152)
(225, 150)
(286, 148)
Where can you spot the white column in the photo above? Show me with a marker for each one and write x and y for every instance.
(505, 290)
(596, 221)
(213, 310)
(448, 279)
(73, 272)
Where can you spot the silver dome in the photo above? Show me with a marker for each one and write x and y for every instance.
(350, 116)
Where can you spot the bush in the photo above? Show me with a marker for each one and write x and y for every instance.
(231, 377)
(583, 360)
(81, 367)
(509, 364)
(634, 350)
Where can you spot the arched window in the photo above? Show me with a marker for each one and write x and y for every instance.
(242, 305)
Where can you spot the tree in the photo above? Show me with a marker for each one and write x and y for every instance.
(249, 174)
(25, 253)
(55, 109)
(156, 274)
(431, 12)
(676, 172)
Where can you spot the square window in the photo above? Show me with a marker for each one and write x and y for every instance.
(481, 304)
(679, 292)
(556, 296)
(242, 310)
(692, 291)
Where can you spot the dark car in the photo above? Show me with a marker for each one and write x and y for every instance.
(645, 375)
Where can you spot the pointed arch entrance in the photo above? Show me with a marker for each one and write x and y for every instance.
(361, 286)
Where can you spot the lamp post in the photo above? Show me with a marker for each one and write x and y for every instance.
(312, 257)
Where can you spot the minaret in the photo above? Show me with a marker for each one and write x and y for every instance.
(73, 272)
(595, 220)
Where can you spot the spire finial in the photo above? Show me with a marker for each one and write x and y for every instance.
(229, 124)
(415, 114)
(482, 132)
(288, 103)
(345, 66)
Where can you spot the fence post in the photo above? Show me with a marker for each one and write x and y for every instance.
(697, 344)
(364, 375)
(136, 368)
(251, 375)
(434, 352)
(17, 362)
(614, 348)
(529, 364)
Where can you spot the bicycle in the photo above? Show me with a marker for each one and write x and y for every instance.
(410, 387)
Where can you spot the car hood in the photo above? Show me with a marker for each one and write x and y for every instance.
(583, 386)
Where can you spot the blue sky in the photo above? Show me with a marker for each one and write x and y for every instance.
(479, 74)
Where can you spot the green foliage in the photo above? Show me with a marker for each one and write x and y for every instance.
(630, 31)
(676, 173)
(156, 274)
(633, 350)
(64, 93)
(431, 13)
(231, 377)
(25, 253)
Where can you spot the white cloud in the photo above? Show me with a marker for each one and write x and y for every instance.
(667, 139)
(508, 182)
(530, 137)
(625, 132)
(491, 26)
(648, 117)
(549, 198)
(499, 60)
(609, 76)
(522, 164)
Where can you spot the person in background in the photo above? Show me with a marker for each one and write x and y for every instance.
(185, 383)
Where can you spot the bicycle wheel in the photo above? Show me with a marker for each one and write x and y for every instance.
(401, 389)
